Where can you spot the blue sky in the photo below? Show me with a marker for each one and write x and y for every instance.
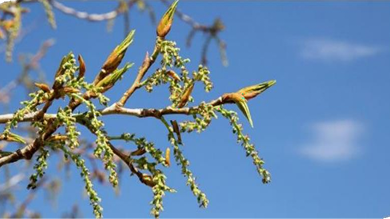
(323, 129)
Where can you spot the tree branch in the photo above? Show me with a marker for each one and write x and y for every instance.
(117, 110)
(90, 17)
(28, 151)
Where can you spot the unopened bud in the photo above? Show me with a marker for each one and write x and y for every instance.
(138, 152)
(176, 129)
(252, 91)
(148, 180)
(115, 58)
(43, 87)
(168, 157)
(173, 75)
(111, 79)
(82, 67)
(186, 96)
(71, 90)
(165, 24)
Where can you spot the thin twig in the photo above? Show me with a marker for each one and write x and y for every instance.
(147, 63)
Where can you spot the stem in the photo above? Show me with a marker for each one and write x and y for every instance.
(147, 63)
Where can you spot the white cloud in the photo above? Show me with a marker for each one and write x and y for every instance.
(334, 141)
(334, 50)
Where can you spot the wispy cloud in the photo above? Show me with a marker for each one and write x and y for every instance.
(335, 50)
(334, 141)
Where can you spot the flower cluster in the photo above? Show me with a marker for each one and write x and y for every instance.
(93, 196)
(245, 142)
(202, 118)
(49, 13)
(180, 85)
(40, 168)
(11, 26)
(65, 116)
(184, 163)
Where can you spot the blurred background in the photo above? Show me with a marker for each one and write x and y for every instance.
(323, 129)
